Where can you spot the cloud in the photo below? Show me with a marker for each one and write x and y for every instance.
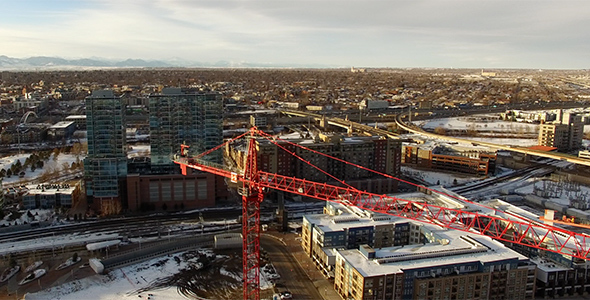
(458, 33)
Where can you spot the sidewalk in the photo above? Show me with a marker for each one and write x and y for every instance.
(323, 285)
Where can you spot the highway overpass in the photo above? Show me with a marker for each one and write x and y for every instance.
(553, 155)
(353, 126)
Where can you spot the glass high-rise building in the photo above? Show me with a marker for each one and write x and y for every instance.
(105, 167)
(177, 117)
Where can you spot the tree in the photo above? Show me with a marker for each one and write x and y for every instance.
(8, 173)
(75, 257)
(455, 181)
(56, 153)
(12, 262)
(40, 164)
(440, 131)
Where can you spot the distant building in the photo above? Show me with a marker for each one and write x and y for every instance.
(105, 166)
(566, 133)
(368, 104)
(585, 154)
(61, 130)
(258, 120)
(51, 196)
(173, 191)
(488, 73)
(450, 158)
(178, 117)
(80, 121)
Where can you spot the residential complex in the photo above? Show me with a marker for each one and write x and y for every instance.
(374, 256)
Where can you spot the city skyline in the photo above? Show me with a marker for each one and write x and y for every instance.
(441, 34)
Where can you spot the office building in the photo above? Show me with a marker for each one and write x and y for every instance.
(181, 116)
(105, 167)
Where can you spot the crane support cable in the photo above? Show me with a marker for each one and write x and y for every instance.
(532, 234)
(222, 145)
(309, 163)
(273, 139)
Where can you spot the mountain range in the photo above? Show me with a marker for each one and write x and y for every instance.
(57, 63)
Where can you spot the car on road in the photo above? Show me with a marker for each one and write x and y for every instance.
(286, 295)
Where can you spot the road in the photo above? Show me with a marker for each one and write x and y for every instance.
(293, 277)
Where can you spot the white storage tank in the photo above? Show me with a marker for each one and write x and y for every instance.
(96, 265)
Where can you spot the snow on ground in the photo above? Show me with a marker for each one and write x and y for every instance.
(438, 178)
(520, 142)
(120, 284)
(558, 195)
(491, 123)
(139, 279)
(49, 165)
(38, 215)
(56, 242)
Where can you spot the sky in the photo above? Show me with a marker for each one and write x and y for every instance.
(342, 33)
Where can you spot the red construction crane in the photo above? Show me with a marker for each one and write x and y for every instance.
(499, 225)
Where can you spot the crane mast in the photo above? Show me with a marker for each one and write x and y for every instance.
(253, 182)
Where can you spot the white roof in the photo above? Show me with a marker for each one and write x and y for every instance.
(101, 245)
(61, 124)
(462, 248)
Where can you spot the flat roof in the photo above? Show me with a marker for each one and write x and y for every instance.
(61, 124)
(542, 148)
(461, 248)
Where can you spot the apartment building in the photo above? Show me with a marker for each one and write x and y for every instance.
(343, 227)
(451, 265)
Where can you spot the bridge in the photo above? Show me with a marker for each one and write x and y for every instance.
(343, 123)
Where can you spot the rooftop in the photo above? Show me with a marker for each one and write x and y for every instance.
(461, 248)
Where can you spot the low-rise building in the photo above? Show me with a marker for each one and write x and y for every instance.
(61, 130)
(51, 195)
(474, 161)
